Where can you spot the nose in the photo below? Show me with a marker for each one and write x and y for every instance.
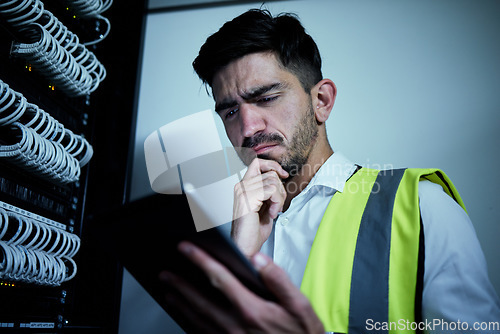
(251, 119)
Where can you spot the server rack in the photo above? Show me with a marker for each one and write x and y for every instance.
(44, 210)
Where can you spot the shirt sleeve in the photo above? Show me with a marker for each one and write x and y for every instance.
(457, 295)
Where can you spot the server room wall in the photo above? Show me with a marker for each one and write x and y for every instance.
(88, 303)
(423, 75)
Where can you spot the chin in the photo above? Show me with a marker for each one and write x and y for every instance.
(246, 155)
(264, 156)
(267, 156)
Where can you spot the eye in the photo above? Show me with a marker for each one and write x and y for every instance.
(230, 113)
(267, 99)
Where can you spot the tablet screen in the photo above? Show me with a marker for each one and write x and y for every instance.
(144, 234)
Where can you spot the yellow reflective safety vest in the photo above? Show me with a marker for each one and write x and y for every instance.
(362, 271)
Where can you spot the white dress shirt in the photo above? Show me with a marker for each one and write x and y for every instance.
(456, 283)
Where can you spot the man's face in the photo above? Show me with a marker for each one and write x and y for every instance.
(264, 108)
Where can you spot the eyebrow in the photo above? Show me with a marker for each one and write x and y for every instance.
(253, 93)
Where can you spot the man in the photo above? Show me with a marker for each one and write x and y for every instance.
(367, 248)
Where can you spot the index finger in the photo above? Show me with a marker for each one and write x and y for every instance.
(288, 294)
(260, 166)
(220, 277)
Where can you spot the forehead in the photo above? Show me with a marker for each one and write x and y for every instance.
(243, 74)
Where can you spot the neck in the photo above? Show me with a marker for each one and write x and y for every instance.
(299, 182)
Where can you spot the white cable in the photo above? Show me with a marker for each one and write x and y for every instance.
(31, 276)
(32, 266)
(29, 153)
(47, 240)
(40, 276)
(41, 122)
(73, 273)
(9, 151)
(102, 36)
(56, 271)
(43, 238)
(59, 273)
(3, 264)
(89, 8)
(56, 241)
(32, 109)
(9, 260)
(35, 251)
(47, 54)
(26, 232)
(35, 13)
(15, 102)
(17, 263)
(76, 241)
(9, 268)
(17, 7)
(49, 269)
(30, 242)
(25, 265)
(59, 246)
(20, 223)
(4, 222)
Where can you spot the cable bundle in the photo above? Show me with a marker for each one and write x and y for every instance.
(57, 64)
(32, 251)
(21, 13)
(15, 108)
(53, 50)
(37, 155)
(92, 9)
(89, 8)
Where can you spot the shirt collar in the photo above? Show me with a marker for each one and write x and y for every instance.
(333, 174)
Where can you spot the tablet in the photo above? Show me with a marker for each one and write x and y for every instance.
(144, 235)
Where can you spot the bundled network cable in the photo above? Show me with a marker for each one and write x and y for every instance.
(89, 8)
(36, 142)
(52, 49)
(34, 249)
(92, 9)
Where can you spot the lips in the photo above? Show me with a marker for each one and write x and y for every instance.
(262, 148)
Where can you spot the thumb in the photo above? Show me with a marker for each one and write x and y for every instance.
(288, 295)
(275, 279)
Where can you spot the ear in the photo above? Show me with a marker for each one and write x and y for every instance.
(323, 98)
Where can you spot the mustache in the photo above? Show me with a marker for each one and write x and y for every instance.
(261, 138)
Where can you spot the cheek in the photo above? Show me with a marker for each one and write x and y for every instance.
(290, 117)
(233, 135)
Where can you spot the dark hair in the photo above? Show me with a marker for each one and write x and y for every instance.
(258, 31)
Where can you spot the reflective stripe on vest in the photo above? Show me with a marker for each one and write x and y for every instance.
(362, 268)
